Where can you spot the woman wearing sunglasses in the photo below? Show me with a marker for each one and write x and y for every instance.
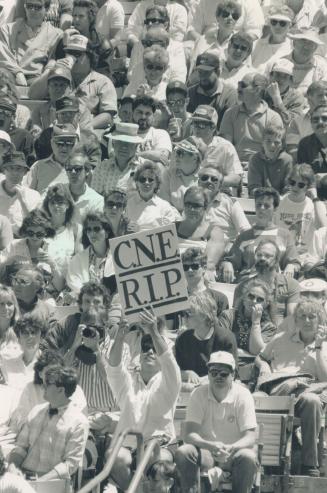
(298, 212)
(276, 44)
(94, 262)
(144, 207)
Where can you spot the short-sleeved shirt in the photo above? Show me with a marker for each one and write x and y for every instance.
(151, 214)
(110, 16)
(223, 154)
(107, 175)
(264, 172)
(45, 172)
(98, 93)
(223, 421)
(155, 139)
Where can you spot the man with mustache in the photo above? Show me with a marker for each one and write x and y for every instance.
(313, 148)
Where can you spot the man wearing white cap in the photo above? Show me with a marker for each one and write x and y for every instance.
(219, 429)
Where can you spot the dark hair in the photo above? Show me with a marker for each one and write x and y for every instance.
(126, 100)
(61, 376)
(148, 165)
(161, 10)
(267, 192)
(322, 188)
(195, 254)
(93, 216)
(267, 241)
(91, 7)
(200, 191)
(167, 470)
(46, 358)
(145, 101)
(27, 321)
(59, 191)
(244, 37)
(315, 86)
(228, 4)
(37, 218)
(93, 288)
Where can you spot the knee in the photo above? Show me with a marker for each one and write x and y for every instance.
(312, 400)
(186, 453)
(246, 457)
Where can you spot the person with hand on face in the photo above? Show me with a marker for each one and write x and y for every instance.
(222, 210)
(16, 200)
(241, 256)
(118, 169)
(271, 166)
(115, 202)
(51, 170)
(311, 149)
(223, 441)
(147, 398)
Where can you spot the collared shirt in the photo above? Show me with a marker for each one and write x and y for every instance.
(245, 130)
(98, 93)
(151, 214)
(234, 75)
(53, 442)
(311, 151)
(14, 370)
(147, 407)
(227, 213)
(286, 351)
(44, 173)
(223, 154)
(11, 206)
(108, 175)
(89, 201)
(223, 421)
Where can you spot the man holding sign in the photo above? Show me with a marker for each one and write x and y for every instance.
(147, 398)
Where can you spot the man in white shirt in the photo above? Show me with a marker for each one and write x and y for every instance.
(110, 18)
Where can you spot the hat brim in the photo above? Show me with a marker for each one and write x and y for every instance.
(221, 363)
(199, 119)
(132, 139)
(280, 17)
(54, 76)
(12, 163)
(67, 109)
(281, 70)
(11, 145)
(315, 40)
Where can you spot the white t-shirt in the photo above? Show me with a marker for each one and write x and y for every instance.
(110, 16)
(155, 139)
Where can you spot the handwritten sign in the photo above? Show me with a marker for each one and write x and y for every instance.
(148, 271)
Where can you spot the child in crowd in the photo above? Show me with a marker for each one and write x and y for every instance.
(271, 166)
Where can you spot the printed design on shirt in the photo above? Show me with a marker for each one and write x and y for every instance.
(299, 225)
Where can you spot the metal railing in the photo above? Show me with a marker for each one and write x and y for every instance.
(152, 444)
(113, 452)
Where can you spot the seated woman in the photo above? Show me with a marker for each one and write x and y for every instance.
(33, 392)
(277, 44)
(17, 369)
(195, 230)
(144, 207)
(9, 314)
(27, 43)
(202, 337)
(237, 62)
(94, 262)
(152, 80)
(59, 205)
(115, 202)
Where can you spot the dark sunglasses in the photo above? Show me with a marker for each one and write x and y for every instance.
(151, 66)
(275, 22)
(187, 267)
(236, 46)
(111, 204)
(75, 169)
(257, 299)
(154, 20)
(64, 143)
(144, 179)
(178, 102)
(147, 347)
(299, 184)
(192, 205)
(317, 119)
(33, 234)
(202, 125)
(225, 14)
(95, 229)
(206, 178)
(220, 373)
(33, 6)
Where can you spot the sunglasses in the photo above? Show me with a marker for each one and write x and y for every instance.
(32, 6)
(154, 20)
(117, 205)
(151, 66)
(144, 179)
(206, 178)
(202, 125)
(243, 48)
(75, 169)
(225, 14)
(257, 299)
(33, 234)
(18, 281)
(187, 267)
(95, 229)
(66, 143)
(317, 119)
(299, 184)
(147, 347)
(275, 22)
(220, 373)
(25, 332)
(192, 205)
(148, 43)
(178, 102)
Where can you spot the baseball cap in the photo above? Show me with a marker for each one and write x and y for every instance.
(176, 85)
(283, 65)
(67, 103)
(7, 103)
(221, 358)
(205, 113)
(60, 72)
(4, 136)
(307, 33)
(15, 158)
(208, 60)
(314, 285)
(64, 130)
(76, 42)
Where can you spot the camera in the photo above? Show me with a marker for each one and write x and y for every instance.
(90, 332)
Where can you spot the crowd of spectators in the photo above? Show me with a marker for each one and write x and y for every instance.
(112, 124)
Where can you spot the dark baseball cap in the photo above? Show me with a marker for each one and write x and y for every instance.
(67, 103)
(60, 72)
(176, 85)
(6, 103)
(15, 158)
(208, 60)
(65, 130)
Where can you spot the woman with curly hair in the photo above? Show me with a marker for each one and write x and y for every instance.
(9, 315)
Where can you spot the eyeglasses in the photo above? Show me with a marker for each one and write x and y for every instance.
(151, 66)
(236, 46)
(19, 281)
(317, 119)
(225, 14)
(220, 373)
(26, 332)
(147, 347)
(145, 179)
(117, 205)
(187, 267)
(95, 229)
(35, 234)
(178, 102)
(206, 178)
(192, 205)
(275, 22)
(299, 184)
(154, 20)
(33, 6)
(257, 299)
(75, 169)
(64, 143)
(202, 125)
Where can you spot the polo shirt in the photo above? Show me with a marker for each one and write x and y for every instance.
(223, 98)
(234, 75)
(45, 172)
(151, 214)
(223, 421)
(311, 151)
(245, 130)
(224, 155)
(89, 201)
(98, 93)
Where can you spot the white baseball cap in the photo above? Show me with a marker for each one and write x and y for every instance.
(314, 285)
(222, 358)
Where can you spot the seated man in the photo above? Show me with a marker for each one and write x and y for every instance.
(303, 350)
(51, 444)
(312, 149)
(147, 398)
(220, 429)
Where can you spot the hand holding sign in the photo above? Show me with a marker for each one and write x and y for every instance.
(148, 317)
